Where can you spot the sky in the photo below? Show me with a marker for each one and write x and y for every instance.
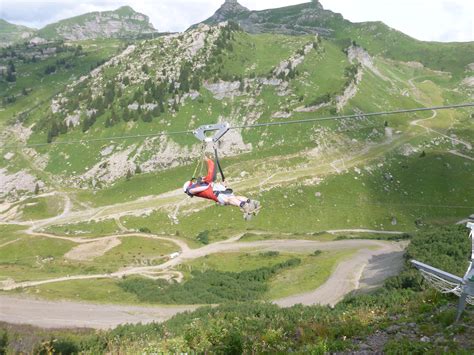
(430, 20)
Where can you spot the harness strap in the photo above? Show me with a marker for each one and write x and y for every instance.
(200, 162)
(219, 164)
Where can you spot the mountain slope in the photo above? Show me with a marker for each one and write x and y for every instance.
(121, 23)
(221, 73)
(11, 33)
(376, 37)
(110, 172)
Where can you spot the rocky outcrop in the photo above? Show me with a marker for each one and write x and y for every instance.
(358, 54)
(469, 82)
(305, 18)
(17, 183)
(230, 9)
(121, 23)
(223, 89)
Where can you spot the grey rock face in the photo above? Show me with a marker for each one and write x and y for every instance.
(307, 18)
(121, 23)
(229, 9)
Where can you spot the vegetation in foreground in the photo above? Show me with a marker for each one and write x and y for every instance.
(405, 316)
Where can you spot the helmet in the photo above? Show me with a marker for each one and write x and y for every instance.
(186, 185)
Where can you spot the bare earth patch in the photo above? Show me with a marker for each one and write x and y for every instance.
(89, 251)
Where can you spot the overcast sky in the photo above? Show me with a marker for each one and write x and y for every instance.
(436, 20)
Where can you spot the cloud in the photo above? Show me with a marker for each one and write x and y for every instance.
(436, 20)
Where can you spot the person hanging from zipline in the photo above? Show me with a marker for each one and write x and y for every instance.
(207, 187)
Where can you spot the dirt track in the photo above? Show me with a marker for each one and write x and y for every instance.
(74, 314)
(345, 278)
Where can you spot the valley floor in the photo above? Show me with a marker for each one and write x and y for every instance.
(373, 262)
(369, 264)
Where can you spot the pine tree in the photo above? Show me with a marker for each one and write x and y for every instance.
(148, 85)
(10, 77)
(50, 137)
(37, 189)
(196, 83)
(63, 127)
(156, 111)
(11, 66)
(146, 117)
(175, 106)
(242, 85)
(126, 114)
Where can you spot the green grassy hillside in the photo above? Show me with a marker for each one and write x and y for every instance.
(91, 207)
(376, 37)
(11, 33)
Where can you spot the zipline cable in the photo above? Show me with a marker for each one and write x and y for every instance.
(80, 141)
(256, 125)
(383, 113)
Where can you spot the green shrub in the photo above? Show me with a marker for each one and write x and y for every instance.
(203, 237)
(207, 287)
(3, 341)
(57, 346)
(406, 346)
(270, 253)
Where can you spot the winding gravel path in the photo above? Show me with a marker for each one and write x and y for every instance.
(345, 278)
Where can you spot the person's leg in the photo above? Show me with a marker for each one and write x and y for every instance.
(232, 200)
(238, 201)
(211, 172)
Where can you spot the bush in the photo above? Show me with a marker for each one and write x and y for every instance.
(50, 69)
(270, 253)
(203, 237)
(3, 341)
(57, 346)
(207, 287)
(407, 346)
(447, 248)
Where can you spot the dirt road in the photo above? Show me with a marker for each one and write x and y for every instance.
(365, 265)
(371, 266)
(74, 314)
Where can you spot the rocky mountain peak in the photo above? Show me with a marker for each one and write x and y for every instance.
(121, 23)
(317, 4)
(305, 18)
(229, 9)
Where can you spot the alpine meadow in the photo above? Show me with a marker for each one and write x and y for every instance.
(320, 157)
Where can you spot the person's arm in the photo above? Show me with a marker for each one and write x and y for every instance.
(197, 189)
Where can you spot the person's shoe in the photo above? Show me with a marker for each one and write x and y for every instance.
(246, 208)
(255, 205)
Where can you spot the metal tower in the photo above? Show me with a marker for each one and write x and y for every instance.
(449, 283)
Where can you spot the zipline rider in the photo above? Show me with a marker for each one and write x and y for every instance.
(207, 187)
